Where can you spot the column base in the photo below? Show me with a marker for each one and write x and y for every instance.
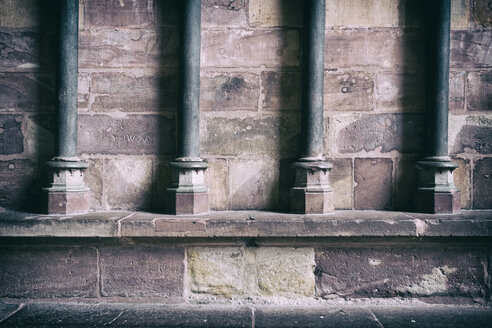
(188, 203)
(312, 193)
(438, 202)
(68, 202)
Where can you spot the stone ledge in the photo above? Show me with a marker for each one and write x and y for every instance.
(248, 224)
(165, 315)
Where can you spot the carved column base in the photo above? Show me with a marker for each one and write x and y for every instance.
(188, 193)
(312, 193)
(436, 192)
(66, 192)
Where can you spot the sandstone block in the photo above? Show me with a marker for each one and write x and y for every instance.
(404, 272)
(93, 178)
(402, 132)
(220, 13)
(228, 92)
(349, 91)
(26, 92)
(400, 92)
(43, 127)
(83, 90)
(473, 139)
(113, 13)
(482, 183)
(47, 272)
(460, 14)
(482, 13)
(130, 135)
(281, 90)
(362, 13)
(241, 48)
(20, 49)
(19, 13)
(470, 49)
(128, 183)
(405, 184)
(456, 91)
(462, 180)
(11, 137)
(217, 180)
(479, 91)
(17, 184)
(373, 183)
(250, 135)
(142, 271)
(270, 13)
(342, 182)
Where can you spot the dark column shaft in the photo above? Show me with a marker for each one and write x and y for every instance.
(439, 16)
(313, 78)
(67, 79)
(189, 81)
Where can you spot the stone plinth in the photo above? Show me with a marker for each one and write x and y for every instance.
(312, 193)
(436, 192)
(188, 193)
(66, 192)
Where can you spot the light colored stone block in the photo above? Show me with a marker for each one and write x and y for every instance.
(216, 178)
(362, 13)
(462, 180)
(460, 14)
(271, 13)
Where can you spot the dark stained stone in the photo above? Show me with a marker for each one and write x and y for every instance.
(479, 91)
(11, 138)
(115, 13)
(17, 184)
(482, 12)
(26, 91)
(281, 90)
(473, 139)
(470, 49)
(17, 48)
(482, 183)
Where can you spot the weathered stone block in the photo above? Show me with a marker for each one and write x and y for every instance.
(456, 91)
(228, 92)
(373, 183)
(83, 90)
(400, 92)
(26, 92)
(462, 180)
(349, 91)
(93, 178)
(224, 13)
(11, 137)
(19, 13)
(270, 13)
(250, 135)
(405, 272)
(128, 183)
(217, 180)
(482, 183)
(460, 14)
(473, 139)
(285, 271)
(281, 90)
(482, 13)
(47, 272)
(142, 271)
(128, 93)
(405, 184)
(253, 184)
(361, 13)
(114, 13)
(216, 270)
(17, 184)
(242, 48)
(342, 182)
(402, 132)
(20, 49)
(391, 48)
(65, 202)
(41, 130)
(130, 135)
(479, 91)
(128, 48)
(470, 49)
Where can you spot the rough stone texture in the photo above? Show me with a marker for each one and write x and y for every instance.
(405, 272)
(224, 13)
(402, 132)
(383, 49)
(462, 180)
(26, 92)
(129, 93)
(217, 181)
(128, 183)
(142, 271)
(285, 272)
(229, 92)
(130, 135)
(473, 139)
(281, 90)
(242, 48)
(93, 179)
(18, 49)
(479, 91)
(482, 13)
(349, 91)
(470, 49)
(460, 14)
(253, 184)
(41, 129)
(19, 13)
(11, 138)
(271, 13)
(482, 183)
(46, 272)
(400, 92)
(250, 135)
(361, 13)
(216, 270)
(373, 183)
(456, 91)
(114, 13)
(405, 183)
(342, 182)
(17, 184)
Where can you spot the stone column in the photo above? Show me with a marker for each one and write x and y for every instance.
(312, 192)
(66, 192)
(436, 192)
(188, 193)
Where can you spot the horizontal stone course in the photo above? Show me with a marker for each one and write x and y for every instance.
(133, 13)
(473, 139)
(26, 92)
(349, 91)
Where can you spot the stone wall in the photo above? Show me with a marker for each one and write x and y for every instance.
(249, 102)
